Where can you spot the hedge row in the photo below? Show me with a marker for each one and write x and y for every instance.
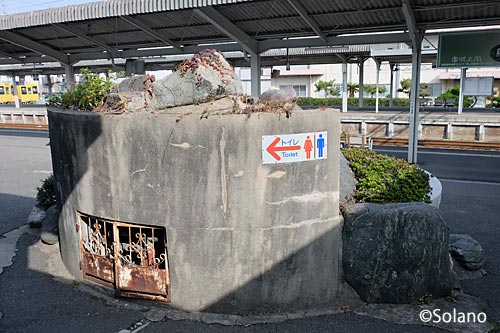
(337, 101)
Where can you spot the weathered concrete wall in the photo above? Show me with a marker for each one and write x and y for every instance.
(242, 236)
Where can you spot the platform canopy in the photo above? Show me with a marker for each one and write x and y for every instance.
(124, 29)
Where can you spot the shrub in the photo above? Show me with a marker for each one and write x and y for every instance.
(385, 179)
(46, 194)
(455, 93)
(87, 94)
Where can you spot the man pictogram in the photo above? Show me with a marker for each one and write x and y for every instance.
(320, 144)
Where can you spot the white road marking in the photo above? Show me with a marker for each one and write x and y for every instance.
(476, 182)
(43, 171)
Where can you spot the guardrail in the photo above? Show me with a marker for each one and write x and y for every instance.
(23, 117)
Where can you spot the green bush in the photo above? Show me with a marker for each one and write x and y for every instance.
(46, 194)
(455, 93)
(87, 94)
(385, 179)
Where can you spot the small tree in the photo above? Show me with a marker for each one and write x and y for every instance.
(327, 87)
(454, 93)
(372, 89)
(88, 93)
(352, 88)
(406, 88)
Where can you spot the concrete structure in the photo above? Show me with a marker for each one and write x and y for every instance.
(240, 235)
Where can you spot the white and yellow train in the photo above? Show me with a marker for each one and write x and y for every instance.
(28, 93)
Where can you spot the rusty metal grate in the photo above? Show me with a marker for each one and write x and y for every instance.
(130, 258)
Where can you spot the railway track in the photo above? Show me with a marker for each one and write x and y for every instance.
(397, 142)
(466, 145)
(25, 126)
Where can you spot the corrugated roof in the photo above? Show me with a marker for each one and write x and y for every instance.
(102, 9)
(142, 28)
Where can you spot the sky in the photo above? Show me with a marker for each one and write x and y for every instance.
(19, 6)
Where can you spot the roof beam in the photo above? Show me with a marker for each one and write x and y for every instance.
(29, 44)
(157, 52)
(334, 41)
(82, 35)
(410, 22)
(224, 25)
(301, 10)
(11, 57)
(144, 28)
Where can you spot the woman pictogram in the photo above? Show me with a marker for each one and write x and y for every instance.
(308, 146)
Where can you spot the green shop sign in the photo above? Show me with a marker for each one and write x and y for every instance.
(469, 49)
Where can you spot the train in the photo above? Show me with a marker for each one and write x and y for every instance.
(27, 92)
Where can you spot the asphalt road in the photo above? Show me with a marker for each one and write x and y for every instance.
(32, 301)
(24, 162)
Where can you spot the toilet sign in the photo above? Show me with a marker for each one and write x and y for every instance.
(288, 148)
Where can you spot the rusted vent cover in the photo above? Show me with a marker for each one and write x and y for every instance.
(130, 258)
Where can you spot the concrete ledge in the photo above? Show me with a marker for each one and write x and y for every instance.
(437, 189)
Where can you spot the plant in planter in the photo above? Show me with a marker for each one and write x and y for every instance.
(385, 179)
(87, 94)
(46, 193)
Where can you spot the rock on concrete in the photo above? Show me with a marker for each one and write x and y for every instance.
(50, 232)
(36, 217)
(467, 251)
(206, 77)
(396, 253)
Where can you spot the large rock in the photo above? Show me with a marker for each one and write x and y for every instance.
(36, 217)
(206, 77)
(396, 253)
(50, 229)
(467, 251)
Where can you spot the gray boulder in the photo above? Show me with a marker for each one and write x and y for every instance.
(36, 217)
(396, 253)
(466, 251)
(50, 228)
(206, 77)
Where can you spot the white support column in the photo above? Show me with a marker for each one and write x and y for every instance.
(416, 55)
(377, 84)
(361, 81)
(344, 86)
(363, 128)
(49, 84)
(69, 76)
(449, 131)
(463, 75)
(14, 92)
(255, 74)
(390, 129)
(391, 89)
(480, 133)
(398, 79)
